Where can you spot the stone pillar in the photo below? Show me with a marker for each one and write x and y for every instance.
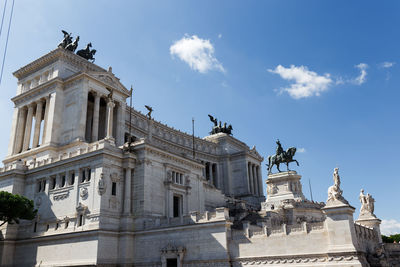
(110, 111)
(96, 110)
(28, 128)
(211, 172)
(260, 183)
(38, 120)
(250, 178)
(127, 197)
(19, 135)
(46, 115)
(216, 178)
(340, 227)
(121, 123)
(255, 182)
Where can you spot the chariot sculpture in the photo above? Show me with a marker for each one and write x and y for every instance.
(70, 45)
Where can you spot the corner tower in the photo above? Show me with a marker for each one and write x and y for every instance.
(64, 100)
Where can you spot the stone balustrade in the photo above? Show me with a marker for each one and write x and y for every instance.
(365, 232)
(62, 155)
(250, 231)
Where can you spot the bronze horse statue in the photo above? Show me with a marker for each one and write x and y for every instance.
(285, 157)
(87, 53)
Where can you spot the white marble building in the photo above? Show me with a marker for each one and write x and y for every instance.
(102, 202)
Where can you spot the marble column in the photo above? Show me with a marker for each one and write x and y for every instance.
(250, 178)
(255, 183)
(19, 136)
(216, 175)
(38, 120)
(28, 128)
(96, 110)
(110, 112)
(260, 183)
(211, 173)
(128, 183)
(46, 115)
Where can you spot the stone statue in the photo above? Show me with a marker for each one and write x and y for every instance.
(334, 192)
(218, 128)
(66, 40)
(150, 109)
(110, 95)
(102, 185)
(281, 156)
(367, 204)
(87, 53)
(72, 46)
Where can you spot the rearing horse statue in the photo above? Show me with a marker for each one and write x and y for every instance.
(281, 157)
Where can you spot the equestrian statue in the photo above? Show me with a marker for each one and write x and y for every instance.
(281, 156)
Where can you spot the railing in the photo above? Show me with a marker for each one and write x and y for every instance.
(262, 229)
(61, 156)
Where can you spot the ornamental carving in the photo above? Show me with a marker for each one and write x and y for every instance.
(84, 193)
(102, 185)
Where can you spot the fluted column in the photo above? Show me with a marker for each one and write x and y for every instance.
(251, 178)
(28, 128)
(38, 120)
(253, 168)
(19, 135)
(46, 115)
(110, 112)
(127, 199)
(96, 114)
(210, 172)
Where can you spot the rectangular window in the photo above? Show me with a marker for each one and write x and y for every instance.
(83, 176)
(39, 185)
(172, 262)
(89, 174)
(177, 206)
(114, 189)
(35, 227)
(72, 178)
(62, 181)
(53, 182)
(80, 223)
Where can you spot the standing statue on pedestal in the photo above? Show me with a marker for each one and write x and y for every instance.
(367, 204)
(334, 192)
(150, 109)
(281, 156)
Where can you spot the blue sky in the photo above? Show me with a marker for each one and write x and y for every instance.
(318, 75)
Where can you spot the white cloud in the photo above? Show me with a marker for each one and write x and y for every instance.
(197, 53)
(219, 36)
(306, 83)
(301, 150)
(386, 64)
(363, 74)
(390, 227)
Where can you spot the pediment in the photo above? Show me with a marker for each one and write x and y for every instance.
(108, 78)
(254, 152)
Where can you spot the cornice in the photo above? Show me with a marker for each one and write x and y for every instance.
(53, 56)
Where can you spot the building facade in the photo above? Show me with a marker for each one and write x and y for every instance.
(114, 187)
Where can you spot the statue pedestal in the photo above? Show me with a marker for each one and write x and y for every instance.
(340, 226)
(282, 186)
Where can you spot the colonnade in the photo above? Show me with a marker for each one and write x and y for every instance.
(211, 173)
(255, 183)
(102, 118)
(23, 136)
